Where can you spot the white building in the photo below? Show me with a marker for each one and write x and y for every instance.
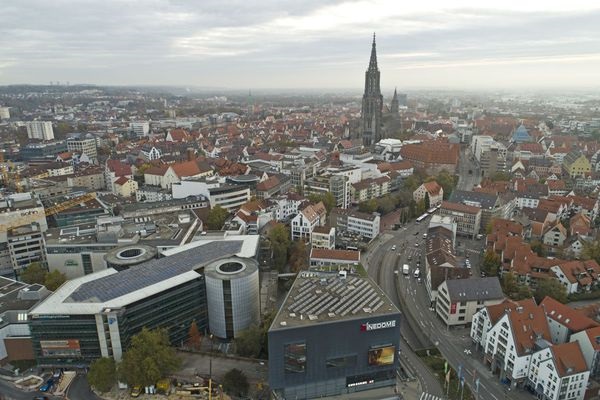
(364, 224)
(559, 372)
(84, 146)
(459, 299)
(286, 206)
(4, 112)
(334, 258)
(41, 130)
(307, 219)
(224, 195)
(516, 341)
(140, 129)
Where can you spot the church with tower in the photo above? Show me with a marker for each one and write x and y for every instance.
(372, 128)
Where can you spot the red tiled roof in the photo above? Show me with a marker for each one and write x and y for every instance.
(568, 359)
(448, 205)
(186, 168)
(121, 181)
(119, 168)
(574, 320)
(432, 187)
(334, 254)
(268, 184)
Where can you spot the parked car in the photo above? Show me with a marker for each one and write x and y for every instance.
(47, 386)
(136, 391)
(40, 398)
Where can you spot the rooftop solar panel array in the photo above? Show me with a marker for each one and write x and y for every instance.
(152, 272)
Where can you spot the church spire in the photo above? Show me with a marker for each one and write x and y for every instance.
(373, 61)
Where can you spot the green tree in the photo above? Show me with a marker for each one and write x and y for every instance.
(248, 342)
(591, 250)
(216, 218)
(427, 201)
(235, 383)
(327, 198)
(298, 256)
(411, 183)
(537, 247)
(34, 273)
(501, 176)
(103, 374)
(447, 181)
(54, 279)
(420, 208)
(513, 289)
(386, 204)
(149, 358)
(550, 287)
(280, 240)
(491, 263)
(368, 206)
(194, 336)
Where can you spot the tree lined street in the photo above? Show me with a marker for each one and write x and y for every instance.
(421, 327)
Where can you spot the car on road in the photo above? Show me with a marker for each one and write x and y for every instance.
(47, 386)
(417, 273)
(393, 247)
(416, 244)
(40, 398)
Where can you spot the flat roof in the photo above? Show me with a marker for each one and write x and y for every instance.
(321, 297)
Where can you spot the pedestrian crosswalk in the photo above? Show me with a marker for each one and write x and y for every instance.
(429, 396)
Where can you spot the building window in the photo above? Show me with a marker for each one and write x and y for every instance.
(341, 362)
(294, 358)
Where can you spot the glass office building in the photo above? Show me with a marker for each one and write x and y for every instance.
(98, 314)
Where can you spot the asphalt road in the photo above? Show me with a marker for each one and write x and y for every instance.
(381, 265)
(422, 323)
(80, 389)
(9, 392)
(466, 180)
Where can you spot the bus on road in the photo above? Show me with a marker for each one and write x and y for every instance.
(422, 217)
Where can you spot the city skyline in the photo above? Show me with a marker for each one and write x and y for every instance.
(308, 45)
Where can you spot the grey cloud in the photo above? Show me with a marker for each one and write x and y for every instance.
(258, 44)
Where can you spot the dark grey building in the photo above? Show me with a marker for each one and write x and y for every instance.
(334, 334)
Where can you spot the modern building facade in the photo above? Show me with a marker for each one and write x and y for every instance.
(459, 299)
(96, 315)
(84, 145)
(372, 103)
(467, 218)
(307, 359)
(363, 224)
(232, 289)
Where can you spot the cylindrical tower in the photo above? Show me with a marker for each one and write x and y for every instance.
(232, 292)
(127, 256)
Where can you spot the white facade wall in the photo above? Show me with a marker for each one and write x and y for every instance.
(571, 287)
(41, 130)
(366, 228)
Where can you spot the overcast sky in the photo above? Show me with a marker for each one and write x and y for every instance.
(302, 43)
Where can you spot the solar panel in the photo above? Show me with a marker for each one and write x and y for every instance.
(152, 272)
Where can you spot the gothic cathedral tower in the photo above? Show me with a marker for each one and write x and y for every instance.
(372, 103)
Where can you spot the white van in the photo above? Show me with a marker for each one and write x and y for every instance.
(417, 273)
